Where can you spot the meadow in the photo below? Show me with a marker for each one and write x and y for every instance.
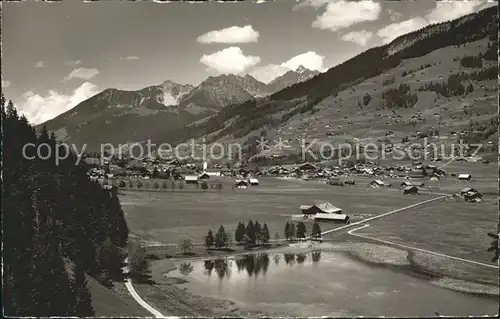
(169, 216)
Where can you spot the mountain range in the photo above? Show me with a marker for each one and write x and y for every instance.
(415, 83)
(165, 106)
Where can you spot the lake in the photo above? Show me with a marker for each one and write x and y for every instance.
(324, 284)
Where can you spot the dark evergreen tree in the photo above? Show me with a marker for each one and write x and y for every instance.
(265, 236)
(316, 231)
(292, 230)
(221, 238)
(258, 232)
(209, 239)
(250, 232)
(287, 231)
(301, 230)
(239, 233)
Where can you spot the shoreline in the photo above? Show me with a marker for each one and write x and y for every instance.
(372, 254)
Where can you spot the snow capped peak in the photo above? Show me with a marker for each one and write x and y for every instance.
(301, 69)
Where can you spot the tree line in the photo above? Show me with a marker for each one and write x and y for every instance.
(58, 226)
(455, 83)
(400, 96)
(299, 231)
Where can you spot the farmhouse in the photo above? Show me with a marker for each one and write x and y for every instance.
(467, 190)
(410, 190)
(240, 183)
(416, 184)
(420, 173)
(473, 197)
(377, 183)
(325, 212)
(464, 177)
(204, 175)
(325, 208)
(212, 172)
(307, 167)
(253, 181)
(191, 179)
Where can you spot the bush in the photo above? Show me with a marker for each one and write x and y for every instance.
(186, 246)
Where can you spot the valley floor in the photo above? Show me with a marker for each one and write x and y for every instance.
(447, 227)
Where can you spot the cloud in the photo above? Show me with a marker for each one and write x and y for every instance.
(232, 34)
(444, 11)
(449, 10)
(394, 30)
(268, 72)
(82, 73)
(360, 37)
(38, 108)
(394, 15)
(229, 60)
(74, 62)
(39, 64)
(310, 3)
(5, 84)
(342, 14)
(129, 58)
(310, 60)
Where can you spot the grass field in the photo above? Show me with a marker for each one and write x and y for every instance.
(451, 227)
(170, 216)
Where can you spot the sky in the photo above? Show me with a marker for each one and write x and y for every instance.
(55, 55)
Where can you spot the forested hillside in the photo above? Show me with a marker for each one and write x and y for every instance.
(238, 121)
(57, 226)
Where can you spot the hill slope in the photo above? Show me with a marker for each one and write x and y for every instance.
(332, 105)
(117, 116)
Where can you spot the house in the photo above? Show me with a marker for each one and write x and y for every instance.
(417, 174)
(467, 190)
(408, 184)
(307, 167)
(213, 172)
(410, 190)
(376, 183)
(191, 179)
(240, 183)
(350, 182)
(473, 197)
(464, 177)
(324, 212)
(325, 208)
(253, 181)
(204, 175)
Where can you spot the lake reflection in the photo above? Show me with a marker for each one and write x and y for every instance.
(323, 284)
(253, 264)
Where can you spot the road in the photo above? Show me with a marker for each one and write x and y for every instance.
(351, 232)
(340, 230)
(384, 214)
(138, 298)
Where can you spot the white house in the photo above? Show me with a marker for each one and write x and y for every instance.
(240, 183)
(464, 177)
(324, 211)
(377, 183)
(212, 172)
(191, 179)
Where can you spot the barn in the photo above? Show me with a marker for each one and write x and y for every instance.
(324, 212)
(191, 179)
(377, 183)
(253, 181)
(240, 183)
(410, 190)
(464, 177)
